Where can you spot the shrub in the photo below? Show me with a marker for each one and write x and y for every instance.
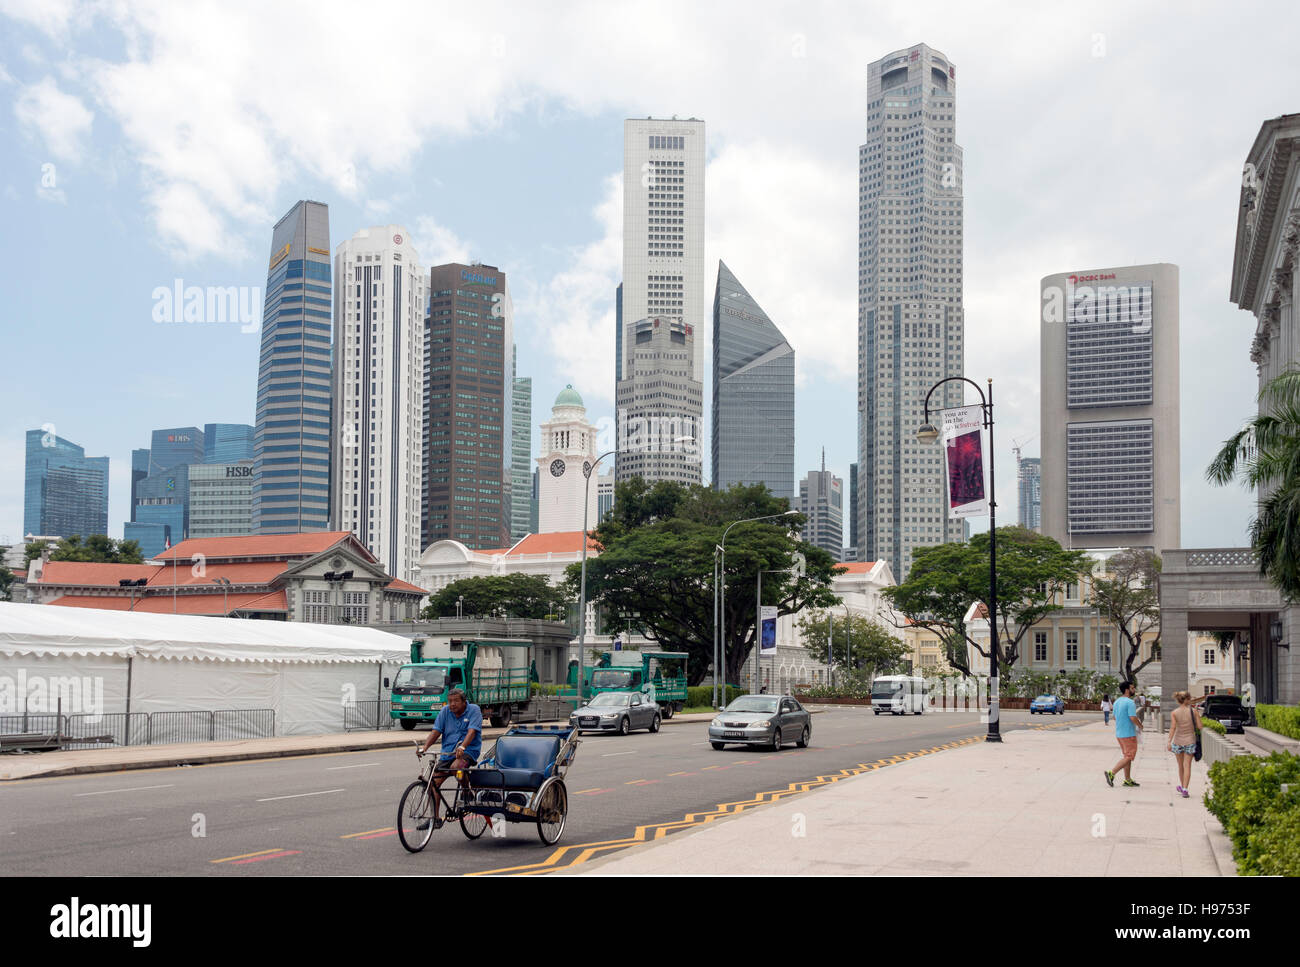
(1274, 849)
(1282, 719)
(702, 695)
(1214, 725)
(1247, 799)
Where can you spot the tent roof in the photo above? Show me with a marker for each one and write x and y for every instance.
(42, 631)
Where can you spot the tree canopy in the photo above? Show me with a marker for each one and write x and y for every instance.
(870, 649)
(946, 579)
(98, 548)
(1265, 456)
(655, 569)
(515, 595)
(1128, 594)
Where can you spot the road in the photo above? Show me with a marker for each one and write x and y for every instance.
(334, 814)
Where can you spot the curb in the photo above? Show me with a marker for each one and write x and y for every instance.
(1222, 847)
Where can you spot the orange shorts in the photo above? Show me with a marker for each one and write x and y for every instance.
(1128, 746)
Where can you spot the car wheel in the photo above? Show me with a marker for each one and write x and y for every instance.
(654, 723)
(876, 711)
(669, 711)
(718, 745)
(776, 741)
(407, 724)
(624, 727)
(803, 739)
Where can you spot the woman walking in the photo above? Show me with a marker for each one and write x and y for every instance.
(1105, 709)
(1184, 728)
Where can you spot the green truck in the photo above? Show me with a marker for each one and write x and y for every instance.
(659, 674)
(494, 674)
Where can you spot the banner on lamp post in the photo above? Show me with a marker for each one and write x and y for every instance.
(767, 639)
(963, 449)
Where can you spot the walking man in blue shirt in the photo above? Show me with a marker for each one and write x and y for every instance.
(1127, 727)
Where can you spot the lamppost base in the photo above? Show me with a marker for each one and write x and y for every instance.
(993, 737)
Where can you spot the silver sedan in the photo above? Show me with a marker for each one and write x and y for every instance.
(766, 720)
(616, 712)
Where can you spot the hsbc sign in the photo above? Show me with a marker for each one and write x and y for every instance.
(239, 471)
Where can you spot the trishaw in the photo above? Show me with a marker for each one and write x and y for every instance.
(520, 780)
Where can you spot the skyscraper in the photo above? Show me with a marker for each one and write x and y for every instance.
(753, 394)
(521, 449)
(470, 333)
(852, 548)
(227, 442)
(378, 386)
(291, 441)
(1110, 454)
(663, 278)
(659, 403)
(66, 492)
(1030, 473)
(910, 322)
(821, 500)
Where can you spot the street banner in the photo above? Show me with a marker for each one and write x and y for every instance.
(768, 616)
(964, 458)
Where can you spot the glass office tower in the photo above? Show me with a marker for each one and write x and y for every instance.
(227, 442)
(521, 449)
(291, 441)
(66, 491)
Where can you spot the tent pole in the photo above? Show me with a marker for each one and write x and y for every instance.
(127, 734)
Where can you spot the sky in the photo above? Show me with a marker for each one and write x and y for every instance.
(144, 143)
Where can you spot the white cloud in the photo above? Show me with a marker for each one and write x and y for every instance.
(51, 17)
(437, 244)
(60, 119)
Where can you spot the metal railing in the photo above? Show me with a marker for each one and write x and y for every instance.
(369, 714)
(85, 731)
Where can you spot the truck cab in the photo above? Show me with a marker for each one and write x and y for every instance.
(495, 675)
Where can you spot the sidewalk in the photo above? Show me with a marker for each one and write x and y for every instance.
(113, 759)
(1035, 805)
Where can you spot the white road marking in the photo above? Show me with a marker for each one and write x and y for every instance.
(606, 755)
(105, 792)
(359, 765)
(323, 792)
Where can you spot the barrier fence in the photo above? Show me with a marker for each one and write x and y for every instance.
(370, 714)
(84, 731)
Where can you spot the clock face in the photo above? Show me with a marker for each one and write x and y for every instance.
(557, 468)
(586, 468)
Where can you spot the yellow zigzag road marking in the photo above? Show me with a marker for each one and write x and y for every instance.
(653, 831)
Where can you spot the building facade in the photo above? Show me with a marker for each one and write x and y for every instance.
(821, 500)
(659, 404)
(753, 394)
(911, 328)
(227, 442)
(469, 388)
(566, 487)
(221, 499)
(663, 276)
(378, 389)
(1109, 407)
(291, 439)
(65, 491)
(1030, 479)
(521, 449)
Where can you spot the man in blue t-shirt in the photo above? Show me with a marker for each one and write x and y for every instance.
(1127, 727)
(460, 726)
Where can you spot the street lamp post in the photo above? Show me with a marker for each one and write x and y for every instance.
(720, 593)
(225, 595)
(928, 433)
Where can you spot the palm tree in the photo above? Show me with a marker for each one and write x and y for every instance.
(1265, 456)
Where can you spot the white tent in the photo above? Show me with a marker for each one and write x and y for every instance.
(116, 661)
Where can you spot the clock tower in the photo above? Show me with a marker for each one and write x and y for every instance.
(568, 446)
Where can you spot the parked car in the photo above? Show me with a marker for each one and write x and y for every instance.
(1228, 711)
(619, 712)
(766, 720)
(1045, 704)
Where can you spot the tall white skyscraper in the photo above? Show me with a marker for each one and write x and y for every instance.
(379, 305)
(910, 321)
(663, 275)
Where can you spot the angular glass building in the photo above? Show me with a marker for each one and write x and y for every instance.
(291, 440)
(227, 442)
(521, 449)
(753, 393)
(66, 491)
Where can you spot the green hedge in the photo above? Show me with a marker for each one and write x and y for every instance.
(1282, 719)
(1264, 825)
(1214, 725)
(702, 695)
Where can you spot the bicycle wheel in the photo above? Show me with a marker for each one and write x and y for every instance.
(473, 825)
(552, 811)
(416, 808)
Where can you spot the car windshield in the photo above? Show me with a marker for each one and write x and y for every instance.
(421, 676)
(1223, 702)
(753, 703)
(604, 678)
(610, 700)
(1046, 698)
(885, 689)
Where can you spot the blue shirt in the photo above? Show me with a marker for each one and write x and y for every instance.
(455, 728)
(1125, 709)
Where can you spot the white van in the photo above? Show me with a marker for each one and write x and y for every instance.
(899, 695)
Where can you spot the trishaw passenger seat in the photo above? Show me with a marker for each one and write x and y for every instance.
(523, 762)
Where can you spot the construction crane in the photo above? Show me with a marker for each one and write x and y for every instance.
(1016, 446)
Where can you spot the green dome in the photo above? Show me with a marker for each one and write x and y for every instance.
(568, 397)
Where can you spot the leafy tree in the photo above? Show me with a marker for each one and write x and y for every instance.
(516, 595)
(1128, 595)
(655, 570)
(32, 551)
(1265, 456)
(7, 579)
(98, 548)
(946, 579)
(870, 649)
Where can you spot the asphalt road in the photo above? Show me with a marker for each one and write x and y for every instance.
(335, 813)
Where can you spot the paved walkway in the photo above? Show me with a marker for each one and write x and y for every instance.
(1037, 804)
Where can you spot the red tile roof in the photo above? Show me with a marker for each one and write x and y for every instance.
(258, 545)
(399, 585)
(182, 573)
(561, 542)
(90, 574)
(113, 603)
(856, 567)
(182, 604)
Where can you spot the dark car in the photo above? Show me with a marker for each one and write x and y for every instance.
(1228, 711)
